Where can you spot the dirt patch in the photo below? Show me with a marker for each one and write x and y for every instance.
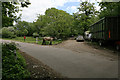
(82, 47)
(39, 70)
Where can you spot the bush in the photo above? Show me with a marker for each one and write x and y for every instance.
(12, 67)
(35, 35)
(8, 32)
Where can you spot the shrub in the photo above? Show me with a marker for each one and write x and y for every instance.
(12, 67)
(8, 32)
(11, 29)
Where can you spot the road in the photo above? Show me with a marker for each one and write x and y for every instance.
(72, 64)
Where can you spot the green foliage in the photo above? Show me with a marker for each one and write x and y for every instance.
(9, 10)
(87, 8)
(24, 28)
(55, 23)
(25, 32)
(19, 33)
(8, 32)
(13, 66)
(109, 9)
(40, 23)
(31, 29)
(35, 35)
(20, 28)
(85, 17)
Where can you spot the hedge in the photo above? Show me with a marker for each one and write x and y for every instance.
(13, 64)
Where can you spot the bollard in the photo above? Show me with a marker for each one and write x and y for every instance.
(36, 39)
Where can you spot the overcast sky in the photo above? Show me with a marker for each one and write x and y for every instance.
(39, 7)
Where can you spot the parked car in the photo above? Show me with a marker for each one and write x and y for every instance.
(79, 38)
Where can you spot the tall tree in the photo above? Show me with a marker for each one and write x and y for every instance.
(9, 10)
(55, 23)
(109, 9)
(40, 23)
(87, 11)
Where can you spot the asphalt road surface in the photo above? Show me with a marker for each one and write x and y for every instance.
(72, 64)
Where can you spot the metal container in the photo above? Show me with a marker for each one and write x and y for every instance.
(107, 28)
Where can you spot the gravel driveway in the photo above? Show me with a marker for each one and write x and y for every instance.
(82, 47)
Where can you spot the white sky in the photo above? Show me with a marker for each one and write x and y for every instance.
(39, 7)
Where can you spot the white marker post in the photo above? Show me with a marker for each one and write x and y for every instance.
(36, 39)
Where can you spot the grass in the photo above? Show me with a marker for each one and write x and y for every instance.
(32, 40)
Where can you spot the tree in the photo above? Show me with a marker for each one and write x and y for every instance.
(55, 23)
(9, 10)
(87, 8)
(87, 12)
(59, 23)
(28, 27)
(109, 9)
(31, 29)
(40, 23)
(21, 28)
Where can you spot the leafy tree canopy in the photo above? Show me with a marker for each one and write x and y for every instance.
(85, 16)
(55, 23)
(10, 10)
(109, 9)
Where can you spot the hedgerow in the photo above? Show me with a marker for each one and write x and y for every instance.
(13, 64)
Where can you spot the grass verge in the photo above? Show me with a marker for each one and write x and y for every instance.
(13, 64)
(32, 40)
